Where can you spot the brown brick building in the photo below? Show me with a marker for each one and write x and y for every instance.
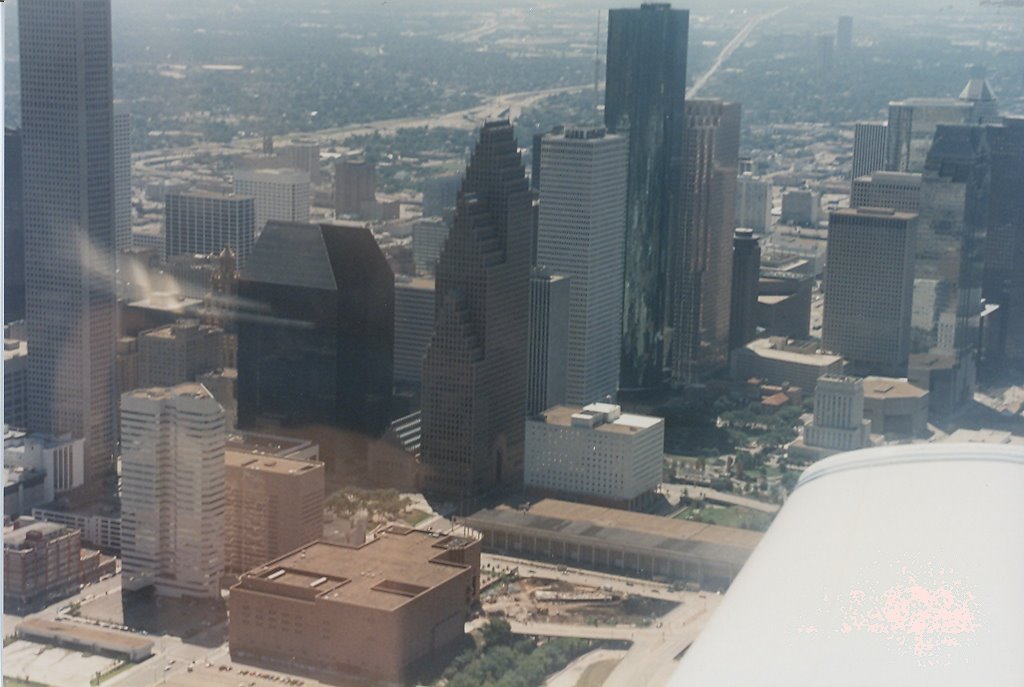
(274, 500)
(376, 611)
(44, 561)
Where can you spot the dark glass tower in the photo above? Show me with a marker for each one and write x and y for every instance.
(474, 373)
(315, 341)
(1004, 243)
(645, 90)
(67, 118)
(746, 273)
(14, 229)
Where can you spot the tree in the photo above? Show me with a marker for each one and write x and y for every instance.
(498, 632)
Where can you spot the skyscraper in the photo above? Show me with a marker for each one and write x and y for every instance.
(122, 177)
(894, 190)
(548, 340)
(979, 94)
(474, 373)
(68, 128)
(844, 36)
(172, 491)
(414, 326)
(1004, 242)
(911, 126)
(753, 203)
(204, 222)
(317, 350)
(869, 287)
(868, 147)
(825, 46)
(14, 228)
(581, 231)
(281, 193)
(746, 271)
(950, 256)
(644, 95)
(702, 254)
(355, 183)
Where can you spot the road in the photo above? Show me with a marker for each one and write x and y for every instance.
(674, 492)
(570, 675)
(728, 50)
(149, 163)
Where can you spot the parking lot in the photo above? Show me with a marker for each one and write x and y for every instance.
(50, 665)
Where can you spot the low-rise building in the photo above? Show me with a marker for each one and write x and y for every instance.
(839, 423)
(635, 544)
(38, 468)
(376, 611)
(783, 361)
(595, 453)
(895, 408)
(42, 562)
(274, 498)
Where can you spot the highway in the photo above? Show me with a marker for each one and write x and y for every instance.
(728, 50)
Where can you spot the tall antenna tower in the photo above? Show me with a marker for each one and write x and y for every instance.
(597, 66)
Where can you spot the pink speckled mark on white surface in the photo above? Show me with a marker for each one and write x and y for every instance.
(929, 617)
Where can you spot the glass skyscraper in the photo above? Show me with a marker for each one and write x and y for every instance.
(67, 102)
(644, 96)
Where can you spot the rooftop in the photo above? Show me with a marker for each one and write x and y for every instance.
(190, 389)
(279, 466)
(382, 574)
(86, 634)
(14, 538)
(269, 445)
(791, 353)
(277, 175)
(625, 528)
(891, 387)
(601, 417)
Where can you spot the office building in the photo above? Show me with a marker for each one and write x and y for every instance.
(355, 184)
(869, 288)
(122, 177)
(222, 384)
(548, 340)
(702, 276)
(15, 382)
(14, 228)
(580, 234)
(99, 523)
(824, 45)
(955, 194)
(274, 498)
(280, 194)
(801, 207)
(911, 126)
(325, 357)
(844, 36)
(172, 491)
(783, 361)
(439, 195)
(1004, 241)
(839, 423)
(595, 453)
(868, 147)
(900, 191)
(618, 541)
(979, 94)
(203, 222)
(58, 460)
(376, 611)
(428, 237)
(302, 153)
(179, 352)
(753, 203)
(414, 326)
(474, 373)
(67, 117)
(42, 563)
(746, 270)
(784, 304)
(895, 408)
(127, 363)
(644, 96)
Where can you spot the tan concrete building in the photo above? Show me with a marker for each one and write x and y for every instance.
(179, 352)
(896, 408)
(376, 611)
(274, 498)
(776, 360)
(635, 544)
